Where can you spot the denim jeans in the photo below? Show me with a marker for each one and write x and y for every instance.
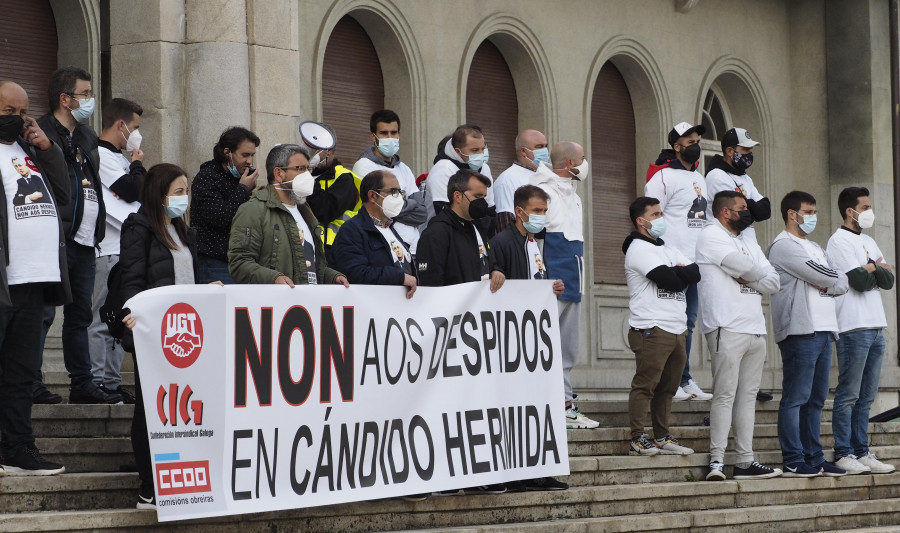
(20, 338)
(693, 304)
(77, 315)
(806, 360)
(859, 370)
(214, 270)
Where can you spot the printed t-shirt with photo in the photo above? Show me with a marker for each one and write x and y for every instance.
(402, 259)
(536, 269)
(650, 305)
(306, 236)
(86, 229)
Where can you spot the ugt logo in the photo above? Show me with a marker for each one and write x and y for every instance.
(182, 335)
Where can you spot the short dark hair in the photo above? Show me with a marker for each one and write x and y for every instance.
(373, 181)
(119, 109)
(280, 155)
(461, 133)
(63, 82)
(526, 192)
(639, 207)
(383, 115)
(725, 199)
(849, 198)
(460, 182)
(793, 200)
(230, 139)
(154, 190)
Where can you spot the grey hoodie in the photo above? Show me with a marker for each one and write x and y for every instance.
(790, 305)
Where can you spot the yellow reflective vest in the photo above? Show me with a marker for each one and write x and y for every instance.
(334, 226)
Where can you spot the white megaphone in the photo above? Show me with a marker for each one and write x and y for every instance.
(317, 136)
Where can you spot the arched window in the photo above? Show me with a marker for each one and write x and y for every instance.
(491, 103)
(28, 51)
(613, 163)
(352, 88)
(715, 118)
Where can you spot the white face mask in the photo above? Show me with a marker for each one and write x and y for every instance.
(133, 141)
(303, 185)
(392, 205)
(866, 219)
(582, 174)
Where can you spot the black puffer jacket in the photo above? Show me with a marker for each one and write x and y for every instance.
(447, 252)
(146, 262)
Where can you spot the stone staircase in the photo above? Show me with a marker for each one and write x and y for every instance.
(610, 491)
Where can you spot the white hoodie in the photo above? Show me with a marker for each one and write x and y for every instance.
(439, 176)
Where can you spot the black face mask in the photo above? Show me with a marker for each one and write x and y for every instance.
(742, 223)
(11, 127)
(477, 208)
(691, 154)
(741, 161)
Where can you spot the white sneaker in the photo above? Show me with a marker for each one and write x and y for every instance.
(696, 392)
(668, 445)
(876, 466)
(576, 420)
(680, 395)
(851, 465)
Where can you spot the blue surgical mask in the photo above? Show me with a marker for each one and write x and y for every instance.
(177, 206)
(476, 161)
(233, 168)
(541, 155)
(535, 223)
(809, 223)
(657, 227)
(388, 147)
(84, 110)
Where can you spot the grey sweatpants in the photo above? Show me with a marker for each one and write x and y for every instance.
(106, 356)
(569, 338)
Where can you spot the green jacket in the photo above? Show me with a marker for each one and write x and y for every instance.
(265, 243)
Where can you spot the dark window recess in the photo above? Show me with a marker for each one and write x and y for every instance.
(28, 49)
(491, 103)
(352, 88)
(613, 173)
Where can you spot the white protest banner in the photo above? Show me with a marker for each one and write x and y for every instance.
(261, 398)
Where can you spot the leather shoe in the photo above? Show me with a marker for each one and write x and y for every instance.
(44, 396)
(88, 392)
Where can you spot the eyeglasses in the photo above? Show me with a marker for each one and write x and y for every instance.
(394, 192)
(83, 94)
(299, 168)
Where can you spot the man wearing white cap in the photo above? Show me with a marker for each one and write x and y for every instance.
(728, 172)
(677, 185)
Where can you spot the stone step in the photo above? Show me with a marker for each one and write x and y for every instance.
(615, 441)
(104, 454)
(64, 420)
(57, 380)
(687, 413)
(804, 505)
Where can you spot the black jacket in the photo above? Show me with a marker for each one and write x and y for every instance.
(215, 198)
(52, 166)
(146, 262)
(361, 253)
(84, 138)
(447, 252)
(508, 254)
(128, 186)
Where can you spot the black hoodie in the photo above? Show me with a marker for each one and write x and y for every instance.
(675, 278)
(760, 209)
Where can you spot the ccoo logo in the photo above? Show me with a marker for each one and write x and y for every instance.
(182, 335)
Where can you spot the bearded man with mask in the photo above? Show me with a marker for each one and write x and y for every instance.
(734, 275)
(71, 100)
(368, 248)
(266, 244)
(728, 172)
(564, 254)
(678, 186)
(448, 248)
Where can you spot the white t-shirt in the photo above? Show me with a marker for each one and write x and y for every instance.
(856, 310)
(482, 255)
(402, 259)
(410, 234)
(682, 198)
(306, 238)
(651, 306)
(536, 268)
(33, 225)
(724, 302)
(507, 183)
(85, 233)
(822, 308)
(717, 180)
(113, 165)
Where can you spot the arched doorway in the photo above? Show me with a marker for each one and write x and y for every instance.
(28, 56)
(491, 103)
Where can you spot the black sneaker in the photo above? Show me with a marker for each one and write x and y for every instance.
(545, 483)
(87, 392)
(146, 498)
(127, 396)
(515, 486)
(756, 471)
(716, 471)
(44, 396)
(829, 470)
(27, 461)
(497, 488)
(763, 396)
